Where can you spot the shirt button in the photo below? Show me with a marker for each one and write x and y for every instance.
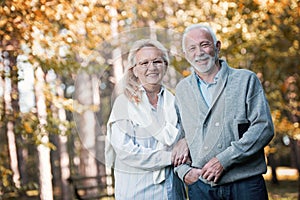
(217, 124)
(205, 148)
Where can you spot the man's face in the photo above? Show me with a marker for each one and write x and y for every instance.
(200, 50)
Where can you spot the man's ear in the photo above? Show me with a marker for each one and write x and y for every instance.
(218, 46)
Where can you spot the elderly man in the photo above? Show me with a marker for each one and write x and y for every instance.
(227, 123)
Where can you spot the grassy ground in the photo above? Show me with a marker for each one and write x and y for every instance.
(287, 188)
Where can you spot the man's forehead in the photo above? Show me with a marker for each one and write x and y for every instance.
(197, 34)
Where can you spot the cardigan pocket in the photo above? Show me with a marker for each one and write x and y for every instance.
(243, 126)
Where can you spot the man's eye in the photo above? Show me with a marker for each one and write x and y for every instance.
(157, 62)
(205, 44)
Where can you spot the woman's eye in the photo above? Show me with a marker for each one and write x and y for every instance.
(192, 49)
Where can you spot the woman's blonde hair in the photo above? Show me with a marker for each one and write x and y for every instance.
(132, 87)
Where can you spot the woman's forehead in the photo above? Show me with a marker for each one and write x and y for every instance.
(148, 52)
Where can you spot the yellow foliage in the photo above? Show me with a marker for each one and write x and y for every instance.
(27, 127)
(186, 73)
(5, 174)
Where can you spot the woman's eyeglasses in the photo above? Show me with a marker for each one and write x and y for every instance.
(156, 63)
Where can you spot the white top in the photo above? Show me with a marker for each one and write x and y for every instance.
(139, 143)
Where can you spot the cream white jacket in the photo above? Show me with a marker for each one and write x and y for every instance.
(134, 119)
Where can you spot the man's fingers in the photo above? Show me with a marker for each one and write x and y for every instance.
(211, 174)
(216, 178)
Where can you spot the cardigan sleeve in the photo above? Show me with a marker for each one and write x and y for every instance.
(182, 170)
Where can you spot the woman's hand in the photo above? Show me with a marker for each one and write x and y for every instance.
(180, 153)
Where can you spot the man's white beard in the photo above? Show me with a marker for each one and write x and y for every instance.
(205, 68)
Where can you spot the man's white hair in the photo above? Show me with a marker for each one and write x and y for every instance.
(198, 26)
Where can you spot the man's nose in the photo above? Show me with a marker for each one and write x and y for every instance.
(199, 51)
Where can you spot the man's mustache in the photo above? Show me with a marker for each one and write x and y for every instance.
(204, 57)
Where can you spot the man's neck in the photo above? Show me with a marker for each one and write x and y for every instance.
(208, 77)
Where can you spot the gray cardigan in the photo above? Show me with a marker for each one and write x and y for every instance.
(235, 129)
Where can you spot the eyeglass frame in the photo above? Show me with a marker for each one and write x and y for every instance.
(146, 63)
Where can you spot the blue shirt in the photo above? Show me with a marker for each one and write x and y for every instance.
(207, 89)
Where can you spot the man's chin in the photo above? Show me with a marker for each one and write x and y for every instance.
(199, 66)
(201, 69)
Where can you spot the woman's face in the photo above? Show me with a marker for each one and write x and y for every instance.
(150, 67)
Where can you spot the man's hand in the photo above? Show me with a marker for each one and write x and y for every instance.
(212, 170)
(180, 153)
(192, 176)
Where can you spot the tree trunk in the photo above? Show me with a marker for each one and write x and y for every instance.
(45, 176)
(273, 164)
(117, 52)
(297, 154)
(63, 139)
(117, 74)
(86, 123)
(295, 148)
(11, 110)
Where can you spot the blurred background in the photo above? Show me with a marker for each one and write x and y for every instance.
(61, 59)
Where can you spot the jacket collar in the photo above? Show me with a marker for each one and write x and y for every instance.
(222, 79)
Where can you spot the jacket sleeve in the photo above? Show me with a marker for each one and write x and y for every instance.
(133, 154)
(182, 170)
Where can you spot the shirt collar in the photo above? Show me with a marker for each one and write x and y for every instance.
(162, 89)
(199, 80)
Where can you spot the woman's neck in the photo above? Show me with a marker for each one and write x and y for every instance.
(152, 89)
(152, 94)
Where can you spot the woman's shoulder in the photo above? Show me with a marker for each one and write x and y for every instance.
(120, 99)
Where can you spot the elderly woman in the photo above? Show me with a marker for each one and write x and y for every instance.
(142, 135)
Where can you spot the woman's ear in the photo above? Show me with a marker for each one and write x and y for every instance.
(166, 68)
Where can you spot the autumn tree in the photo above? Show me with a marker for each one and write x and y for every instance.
(85, 40)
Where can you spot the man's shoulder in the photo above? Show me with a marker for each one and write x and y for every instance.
(241, 72)
(243, 77)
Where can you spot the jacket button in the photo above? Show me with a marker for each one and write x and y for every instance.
(219, 146)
